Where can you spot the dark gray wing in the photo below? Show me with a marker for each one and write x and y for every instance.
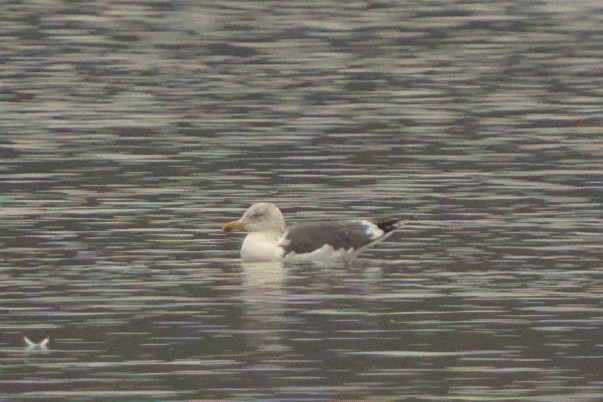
(308, 237)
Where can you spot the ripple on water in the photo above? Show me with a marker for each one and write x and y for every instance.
(132, 131)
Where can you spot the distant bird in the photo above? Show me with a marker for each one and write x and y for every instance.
(269, 239)
(31, 345)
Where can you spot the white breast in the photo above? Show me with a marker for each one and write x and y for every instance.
(261, 246)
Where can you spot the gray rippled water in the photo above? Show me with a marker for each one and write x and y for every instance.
(131, 131)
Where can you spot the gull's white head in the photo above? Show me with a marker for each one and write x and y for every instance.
(260, 217)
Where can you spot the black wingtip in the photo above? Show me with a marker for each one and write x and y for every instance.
(389, 224)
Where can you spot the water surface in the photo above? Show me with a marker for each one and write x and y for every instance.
(131, 131)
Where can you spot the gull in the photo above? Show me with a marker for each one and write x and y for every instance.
(268, 238)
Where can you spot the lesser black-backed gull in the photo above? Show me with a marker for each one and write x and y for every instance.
(269, 239)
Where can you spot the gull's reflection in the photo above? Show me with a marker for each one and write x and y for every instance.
(263, 297)
(262, 279)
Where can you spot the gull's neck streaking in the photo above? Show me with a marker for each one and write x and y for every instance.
(264, 217)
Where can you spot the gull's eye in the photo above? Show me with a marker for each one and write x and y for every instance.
(256, 215)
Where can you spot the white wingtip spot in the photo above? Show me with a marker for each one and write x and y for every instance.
(373, 230)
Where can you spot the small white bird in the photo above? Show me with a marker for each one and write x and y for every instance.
(269, 240)
(31, 345)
